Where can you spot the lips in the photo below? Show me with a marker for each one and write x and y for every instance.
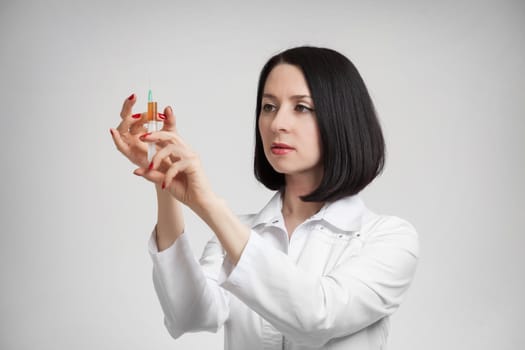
(281, 145)
(279, 148)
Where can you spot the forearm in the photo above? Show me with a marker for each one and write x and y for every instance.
(231, 232)
(170, 220)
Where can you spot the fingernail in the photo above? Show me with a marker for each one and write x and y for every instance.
(150, 166)
(142, 137)
(111, 131)
(131, 97)
(163, 185)
(171, 110)
(136, 116)
(162, 116)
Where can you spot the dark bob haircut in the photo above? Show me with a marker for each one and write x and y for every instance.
(353, 147)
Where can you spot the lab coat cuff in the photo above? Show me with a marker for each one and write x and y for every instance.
(181, 244)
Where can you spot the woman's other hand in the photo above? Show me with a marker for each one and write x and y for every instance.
(184, 177)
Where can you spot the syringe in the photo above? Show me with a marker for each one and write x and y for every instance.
(152, 124)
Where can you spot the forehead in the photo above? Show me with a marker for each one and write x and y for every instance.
(286, 80)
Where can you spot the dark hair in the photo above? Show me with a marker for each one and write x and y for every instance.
(353, 148)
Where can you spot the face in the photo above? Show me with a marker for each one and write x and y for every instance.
(287, 123)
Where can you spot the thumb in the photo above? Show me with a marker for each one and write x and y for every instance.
(169, 122)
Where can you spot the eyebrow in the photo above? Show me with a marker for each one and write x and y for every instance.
(297, 97)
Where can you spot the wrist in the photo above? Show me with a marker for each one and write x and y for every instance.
(205, 206)
(163, 196)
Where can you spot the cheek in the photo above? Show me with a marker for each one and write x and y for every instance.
(263, 128)
(313, 135)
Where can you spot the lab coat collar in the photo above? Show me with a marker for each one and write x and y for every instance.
(271, 211)
(345, 214)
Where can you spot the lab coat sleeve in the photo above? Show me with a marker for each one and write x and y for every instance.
(311, 310)
(189, 294)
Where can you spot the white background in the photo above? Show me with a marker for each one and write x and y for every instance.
(448, 81)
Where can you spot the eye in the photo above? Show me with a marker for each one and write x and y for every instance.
(268, 108)
(303, 108)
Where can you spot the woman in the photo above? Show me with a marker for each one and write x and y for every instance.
(314, 269)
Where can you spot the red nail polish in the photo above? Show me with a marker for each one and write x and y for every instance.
(131, 97)
(163, 185)
(142, 137)
(111, 131)
(162, 116)
(136, 116)
(150, 166)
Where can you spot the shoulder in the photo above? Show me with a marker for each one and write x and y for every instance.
(390, 230)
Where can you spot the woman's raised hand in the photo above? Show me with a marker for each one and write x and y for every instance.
(175, 166)
(126, 135)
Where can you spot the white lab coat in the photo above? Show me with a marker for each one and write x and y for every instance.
(333, 285)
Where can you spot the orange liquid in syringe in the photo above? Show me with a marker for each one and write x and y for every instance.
(152, 111)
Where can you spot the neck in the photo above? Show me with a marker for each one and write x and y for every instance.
(293, 206)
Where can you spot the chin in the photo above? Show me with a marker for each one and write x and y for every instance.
(288, 170)
(280, 170)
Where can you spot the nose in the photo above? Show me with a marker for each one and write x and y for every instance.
(282, 121)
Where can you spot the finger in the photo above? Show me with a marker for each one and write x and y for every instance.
(175, 169)
(123, 127)
(136, 126)
(167, 155)
(140, 126)
(127, 123)
(163, 136)
(121, 145)
(169, 122)
(151, 175)
(161, 155)
(127, 106)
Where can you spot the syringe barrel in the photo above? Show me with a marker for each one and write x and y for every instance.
(152, 111)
